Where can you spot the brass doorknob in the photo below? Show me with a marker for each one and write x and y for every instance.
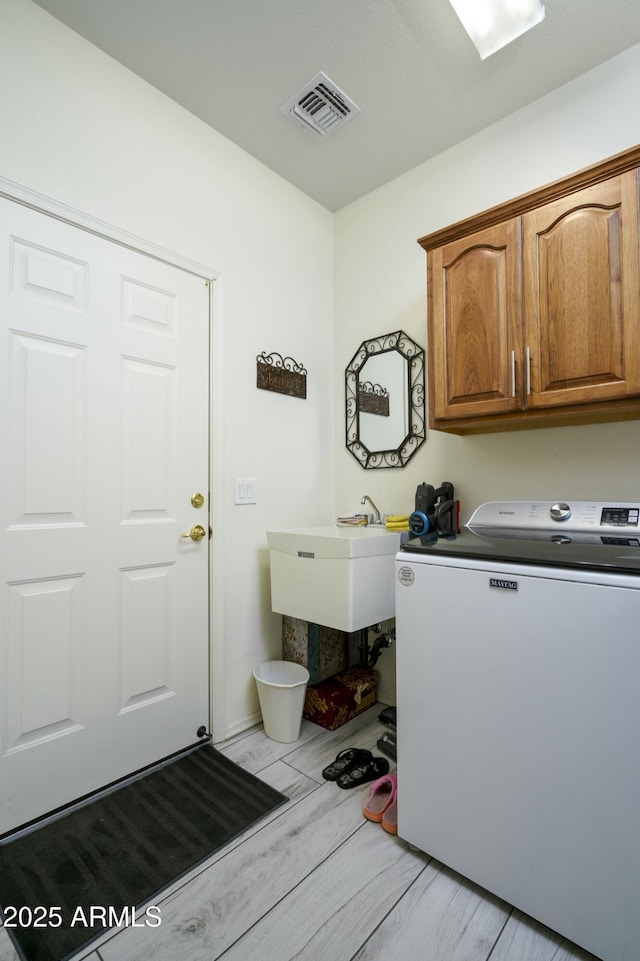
(196, 533)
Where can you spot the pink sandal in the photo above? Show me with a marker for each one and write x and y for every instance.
(382, 796)
(390, 817)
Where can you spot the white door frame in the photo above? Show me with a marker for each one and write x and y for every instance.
(77, 218)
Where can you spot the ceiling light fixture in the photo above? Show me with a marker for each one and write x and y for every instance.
(493, 24)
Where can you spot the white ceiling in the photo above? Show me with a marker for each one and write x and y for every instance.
(408, 65)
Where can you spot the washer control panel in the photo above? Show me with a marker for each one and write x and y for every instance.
(586, 517)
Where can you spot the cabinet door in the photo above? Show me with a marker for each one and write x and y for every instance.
(581, 288)
(475, 324)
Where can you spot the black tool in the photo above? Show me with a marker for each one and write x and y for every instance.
(436, 510)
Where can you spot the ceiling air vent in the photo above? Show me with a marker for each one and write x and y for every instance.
(321, 107)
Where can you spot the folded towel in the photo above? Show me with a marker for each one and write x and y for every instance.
(353, 520)
(397, 522)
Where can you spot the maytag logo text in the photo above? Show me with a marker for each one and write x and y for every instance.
(502, 584)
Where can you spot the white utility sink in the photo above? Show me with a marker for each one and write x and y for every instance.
(341, 577)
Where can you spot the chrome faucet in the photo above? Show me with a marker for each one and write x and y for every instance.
(377, 518)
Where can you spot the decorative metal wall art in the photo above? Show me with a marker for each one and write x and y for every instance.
(390, 441)
(281, 374)
(373, 399)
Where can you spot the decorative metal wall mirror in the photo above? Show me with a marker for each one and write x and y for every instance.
(385, 401)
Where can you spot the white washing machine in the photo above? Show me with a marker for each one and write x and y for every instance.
(518, 691)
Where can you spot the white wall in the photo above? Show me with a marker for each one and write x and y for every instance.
(380, 286)
(80, 128)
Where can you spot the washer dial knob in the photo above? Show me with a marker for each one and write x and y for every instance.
(560, 512)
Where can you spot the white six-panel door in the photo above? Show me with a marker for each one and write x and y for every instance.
(104, 369)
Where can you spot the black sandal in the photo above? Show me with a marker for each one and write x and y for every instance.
(346, 760)
(369, 770)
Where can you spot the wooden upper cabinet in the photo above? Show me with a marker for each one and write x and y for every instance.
(474, 303)
(581, 295)
(534, 307)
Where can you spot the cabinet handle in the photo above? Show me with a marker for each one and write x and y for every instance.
(528, 374)
(513, 373)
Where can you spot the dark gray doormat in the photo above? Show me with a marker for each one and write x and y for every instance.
(121, 850)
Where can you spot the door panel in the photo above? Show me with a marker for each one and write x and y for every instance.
(104, 606)
(47, 388)
(581, 295)
(44, 685)
(475, 328)
(148, 441)
(147, 628)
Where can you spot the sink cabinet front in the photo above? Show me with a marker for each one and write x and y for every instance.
(534, 319)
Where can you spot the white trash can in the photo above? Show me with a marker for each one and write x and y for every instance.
(282, 686)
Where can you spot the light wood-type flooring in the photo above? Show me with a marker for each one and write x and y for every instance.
(315, 881)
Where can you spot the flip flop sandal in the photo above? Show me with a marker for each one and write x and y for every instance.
(345, 761)
(388, 716)
(387, 744)
(382, 793)
(369, 770)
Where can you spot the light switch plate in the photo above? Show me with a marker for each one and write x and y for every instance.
(245, 488)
